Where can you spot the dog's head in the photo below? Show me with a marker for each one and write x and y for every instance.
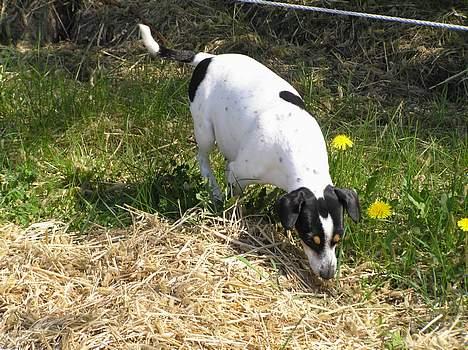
(319, 222)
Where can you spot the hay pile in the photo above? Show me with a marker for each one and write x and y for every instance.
(198, 283)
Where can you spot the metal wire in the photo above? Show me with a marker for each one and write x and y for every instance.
(417, 22)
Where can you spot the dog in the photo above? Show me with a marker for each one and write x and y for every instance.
(260, 124)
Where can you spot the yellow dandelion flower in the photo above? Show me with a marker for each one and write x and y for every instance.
(342, 142)
(463, 224)
(379, 210)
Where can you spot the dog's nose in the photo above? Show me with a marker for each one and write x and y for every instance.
(327, 272)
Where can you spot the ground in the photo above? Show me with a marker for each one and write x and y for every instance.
(189, 285)
(108, 238)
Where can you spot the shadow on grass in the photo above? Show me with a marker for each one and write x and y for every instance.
(170, 192)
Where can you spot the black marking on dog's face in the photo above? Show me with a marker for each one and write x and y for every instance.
(350, 201)
(318, 222)
(292, 98)
(198, 75)
(332, 206)
(309, 223)
(299, 209)
(302, 210)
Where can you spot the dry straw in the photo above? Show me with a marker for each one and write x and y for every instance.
(201, 282)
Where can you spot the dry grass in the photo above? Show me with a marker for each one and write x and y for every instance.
(201, 282)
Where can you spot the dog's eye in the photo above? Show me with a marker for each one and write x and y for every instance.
(316, 239)
(336, 238)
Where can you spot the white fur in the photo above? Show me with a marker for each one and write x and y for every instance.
(200, 57)
(325, 262)
(151, 45)
(264, 138)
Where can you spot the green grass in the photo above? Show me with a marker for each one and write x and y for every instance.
(79, 151)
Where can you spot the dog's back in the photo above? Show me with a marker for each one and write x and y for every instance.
(258, 119)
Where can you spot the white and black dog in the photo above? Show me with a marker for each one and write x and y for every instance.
(260, 124)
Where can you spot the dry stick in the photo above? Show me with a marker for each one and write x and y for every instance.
(288, 339)
(454, 323)
(88, 48)
(431, 323)
(450, 78)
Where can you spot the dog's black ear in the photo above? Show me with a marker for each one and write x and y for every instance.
(349, 199)
(290, 205)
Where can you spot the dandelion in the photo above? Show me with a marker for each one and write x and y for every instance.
(379, 210)
(463, 224)
(342, 142)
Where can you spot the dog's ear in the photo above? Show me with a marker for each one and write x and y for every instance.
(349, 199)
(290, 205)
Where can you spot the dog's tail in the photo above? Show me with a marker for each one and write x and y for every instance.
(155, 49)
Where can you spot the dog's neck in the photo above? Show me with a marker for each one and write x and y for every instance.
(316, 180)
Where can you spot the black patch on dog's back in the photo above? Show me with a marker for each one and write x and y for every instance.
(197, 77)
(292, 98)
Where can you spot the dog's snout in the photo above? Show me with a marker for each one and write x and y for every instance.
(327, 272)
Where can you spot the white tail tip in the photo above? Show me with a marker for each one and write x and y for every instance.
(151, 45)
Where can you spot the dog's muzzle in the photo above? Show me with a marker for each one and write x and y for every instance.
(327, 271)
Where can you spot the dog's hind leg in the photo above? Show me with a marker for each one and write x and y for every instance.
(238, 178)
